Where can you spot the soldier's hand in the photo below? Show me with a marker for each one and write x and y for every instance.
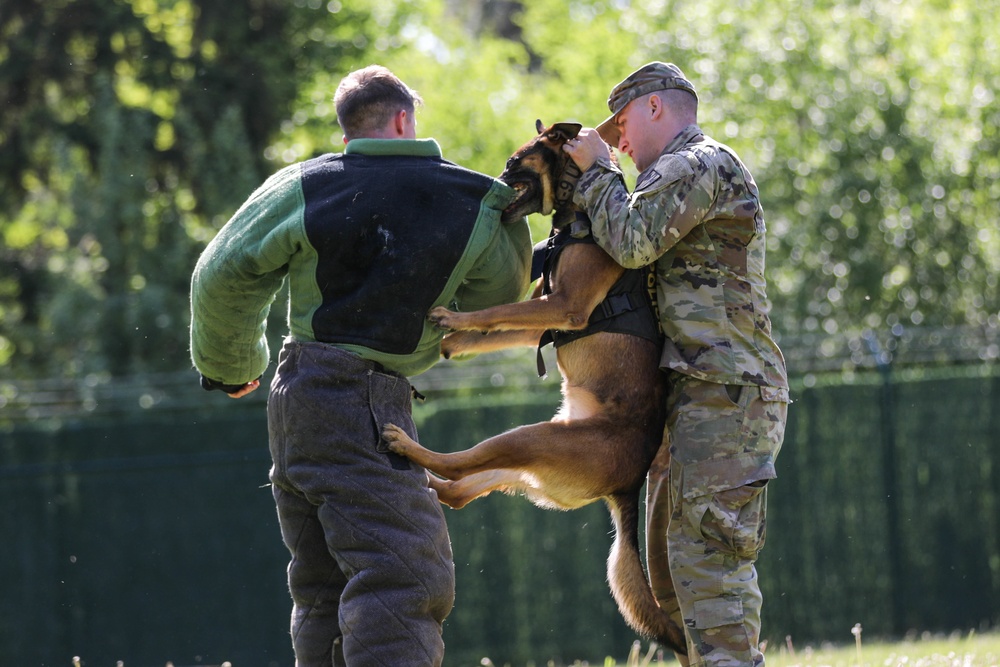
(587, 148)
(245, 389)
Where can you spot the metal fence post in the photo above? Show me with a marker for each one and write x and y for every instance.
(887, 428)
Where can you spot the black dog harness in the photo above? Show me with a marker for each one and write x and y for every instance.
(628, 308)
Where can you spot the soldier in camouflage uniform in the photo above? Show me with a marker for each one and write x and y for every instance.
(696, 214)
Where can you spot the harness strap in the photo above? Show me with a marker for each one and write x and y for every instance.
(546, 338)
(613, 306)
(628, 307)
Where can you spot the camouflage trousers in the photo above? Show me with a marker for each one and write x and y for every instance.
(705, 521)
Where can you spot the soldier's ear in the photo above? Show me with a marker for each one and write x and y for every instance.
(655, 106)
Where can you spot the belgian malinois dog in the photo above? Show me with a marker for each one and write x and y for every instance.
(610, 425)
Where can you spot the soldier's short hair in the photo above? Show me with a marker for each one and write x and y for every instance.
(368, 98)
(680, 101)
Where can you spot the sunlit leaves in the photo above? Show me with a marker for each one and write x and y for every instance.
(171, 21)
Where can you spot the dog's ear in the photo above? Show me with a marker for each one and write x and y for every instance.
(564, 131)
(539, 126)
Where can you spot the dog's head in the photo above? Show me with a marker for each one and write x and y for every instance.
(542, 173)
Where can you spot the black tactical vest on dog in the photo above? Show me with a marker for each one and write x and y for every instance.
(628, 308)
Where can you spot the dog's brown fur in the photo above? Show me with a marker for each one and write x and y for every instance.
(610, 425)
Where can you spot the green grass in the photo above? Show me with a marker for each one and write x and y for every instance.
(955, 650)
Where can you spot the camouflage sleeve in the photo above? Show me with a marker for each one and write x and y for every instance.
(670, 199)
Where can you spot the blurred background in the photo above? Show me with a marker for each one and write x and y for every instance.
(137, 524)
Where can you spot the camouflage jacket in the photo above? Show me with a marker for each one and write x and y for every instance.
(696, 213)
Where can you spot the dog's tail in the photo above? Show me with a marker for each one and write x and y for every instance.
(628, 582)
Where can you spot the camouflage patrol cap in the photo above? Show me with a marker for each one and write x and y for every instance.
(647, 79)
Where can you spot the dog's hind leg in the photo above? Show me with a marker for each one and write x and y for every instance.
(451, 467)
(399, 442)
(557, 464)
(558, 452)
(458, 493)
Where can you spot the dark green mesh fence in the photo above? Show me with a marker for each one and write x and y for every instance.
(892, 523)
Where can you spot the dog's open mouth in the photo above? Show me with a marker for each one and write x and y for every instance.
(525, 196)
(521, 190)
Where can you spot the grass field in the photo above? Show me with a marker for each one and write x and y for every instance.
(956, 650)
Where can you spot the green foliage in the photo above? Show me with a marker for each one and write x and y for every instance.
(132, 130)
(130, 133)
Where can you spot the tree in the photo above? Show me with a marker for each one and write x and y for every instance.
(130, 133)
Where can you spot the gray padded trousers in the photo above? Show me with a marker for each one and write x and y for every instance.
(371, 573)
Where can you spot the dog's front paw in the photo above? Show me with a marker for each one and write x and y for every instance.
(460, 343)
(442, 318)
(449, 348)
(395, 439)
